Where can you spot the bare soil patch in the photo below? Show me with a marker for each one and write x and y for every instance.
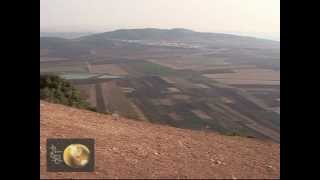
(173, 90)
(248, 76)
(112, 69)
(131, 149)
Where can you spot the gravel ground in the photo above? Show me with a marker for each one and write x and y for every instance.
(131, 149)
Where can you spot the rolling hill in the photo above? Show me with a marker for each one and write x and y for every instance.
(185, 35)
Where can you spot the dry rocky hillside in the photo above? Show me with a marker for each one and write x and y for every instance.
(131, 149)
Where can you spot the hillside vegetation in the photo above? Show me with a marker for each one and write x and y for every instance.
(58, 90)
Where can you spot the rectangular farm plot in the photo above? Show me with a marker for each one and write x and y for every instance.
(89, 93)
(202, 86)
(201, 114)
(269, 97)
(163, 101)
(61, 65)
(190, 63)
(175, 116)
(69, 69)
(254, 74)
(227, 100)
(77, 76)
(276, 109)
(180, 97)
(248, 76)
(179, 82)
(149, 68)
(116, 101)
(247, 81)
(112, 69)
(168, 80)
(44, 59)
(173, 90)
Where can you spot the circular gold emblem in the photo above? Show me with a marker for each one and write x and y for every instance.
(76, 155)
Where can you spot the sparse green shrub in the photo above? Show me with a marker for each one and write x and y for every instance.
(237, 134)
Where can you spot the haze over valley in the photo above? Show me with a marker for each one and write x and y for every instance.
(166, 88)
(178, 77)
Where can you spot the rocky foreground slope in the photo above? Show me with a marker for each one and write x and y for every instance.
(131, 149)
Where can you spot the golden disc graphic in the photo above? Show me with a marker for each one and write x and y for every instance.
(76, 155)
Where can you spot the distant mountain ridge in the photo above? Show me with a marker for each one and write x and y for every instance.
(183, 35)
(160, 43)
(66, 35)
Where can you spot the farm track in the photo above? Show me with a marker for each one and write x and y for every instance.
(101, 106)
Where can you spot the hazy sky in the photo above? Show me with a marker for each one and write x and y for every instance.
(251, 17)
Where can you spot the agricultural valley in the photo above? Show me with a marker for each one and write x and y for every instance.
(176, 77)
